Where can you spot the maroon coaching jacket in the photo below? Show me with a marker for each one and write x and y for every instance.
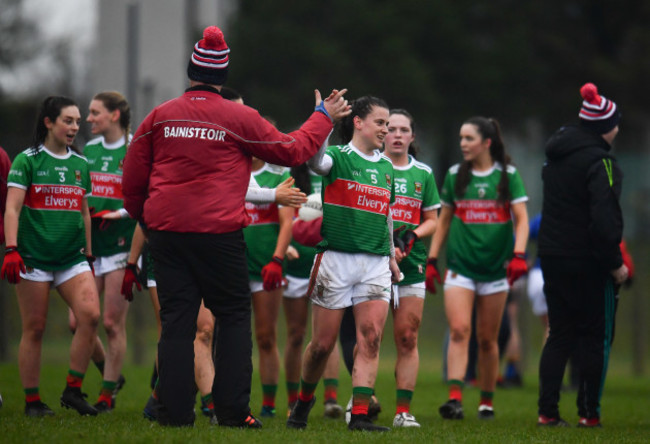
(189, 164)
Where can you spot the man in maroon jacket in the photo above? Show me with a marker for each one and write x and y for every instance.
(185, 177)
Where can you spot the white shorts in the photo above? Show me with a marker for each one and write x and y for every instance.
(55, 277)
(403, 291)
(342, 280)
(296, 287)
(453, 279)
(536, 291)
(106, 264)
(256, 286)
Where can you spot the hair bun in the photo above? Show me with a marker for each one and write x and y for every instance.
(589, 92)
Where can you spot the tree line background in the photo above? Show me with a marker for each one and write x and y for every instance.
(443, 60)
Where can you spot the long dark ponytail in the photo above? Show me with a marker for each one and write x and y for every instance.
(488, 128)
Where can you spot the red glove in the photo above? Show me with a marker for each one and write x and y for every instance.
(272, 274)
(517, 267)
(130, 278)
(91, 261)
(409, 239)
(99, 218)
(12, 265)
(432, 274)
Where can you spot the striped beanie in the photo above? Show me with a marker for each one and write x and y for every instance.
(209, 61)
(597, 112)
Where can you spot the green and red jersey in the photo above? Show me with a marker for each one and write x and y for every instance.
(51, 232)
(105, 162)
(357, 194)
(481, 235)
(261, 235)
(415, 192)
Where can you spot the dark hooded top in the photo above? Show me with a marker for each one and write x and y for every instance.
(581, 215)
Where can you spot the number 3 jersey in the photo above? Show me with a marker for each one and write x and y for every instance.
(415, 192)
(105, 164)
(481, 236)
(51, 233)
(357, 193)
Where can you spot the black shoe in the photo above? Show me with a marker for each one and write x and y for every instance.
(37, 409)
(72, 398)
(546, 421)
(299, 414)
(452, 409)
(119, 384)
(363, 423)
(151, 409)
(250, 422)
(103, 407)
(374, 408)
(485, 412)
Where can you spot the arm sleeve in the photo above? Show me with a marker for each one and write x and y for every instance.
(307, 233)
(321, 163)
(258, 195)
(265, 142)
(604, 181)
(137, 168)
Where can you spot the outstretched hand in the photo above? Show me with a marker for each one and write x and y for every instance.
(287, 195)
(335, 104)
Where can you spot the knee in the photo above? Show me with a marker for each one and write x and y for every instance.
(371, 339)
(486, 345)
(407, 341)
(320, 350)
(33, 331)
(459, 332)
(295, 337)
(265, 341)
(204, 334)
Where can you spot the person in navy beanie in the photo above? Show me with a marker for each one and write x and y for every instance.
(579, 237)
(185, 177)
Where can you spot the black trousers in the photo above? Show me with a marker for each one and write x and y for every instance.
(190, 267)
(581, 308)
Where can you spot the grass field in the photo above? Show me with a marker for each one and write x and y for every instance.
(625, 404)
(626, 415)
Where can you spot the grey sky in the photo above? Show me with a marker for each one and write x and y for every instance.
(73, 20)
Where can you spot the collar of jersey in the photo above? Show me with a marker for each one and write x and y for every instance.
(486, 173)
(404, 167)
(58, 156)
(376, 156)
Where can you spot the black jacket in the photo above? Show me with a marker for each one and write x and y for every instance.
(581, 215)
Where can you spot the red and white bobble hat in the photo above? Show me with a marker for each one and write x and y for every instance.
(209, 61)
(597, 112)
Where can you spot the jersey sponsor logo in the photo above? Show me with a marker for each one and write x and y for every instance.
(482, 212)
(349, 194)
(194, 133)
(54, 197)
(406, 209)
(106, 185)
(262, 214)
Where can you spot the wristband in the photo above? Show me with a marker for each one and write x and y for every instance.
(519, 255)
(433, 261)
(277, 260)
(321, 108)
(11, 249)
